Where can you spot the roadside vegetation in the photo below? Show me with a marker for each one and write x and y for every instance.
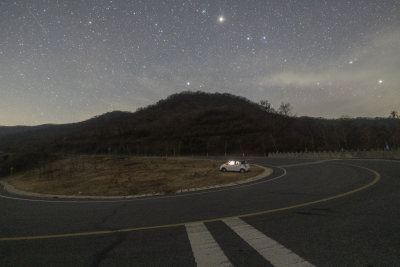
(184, 124)
(123, 175)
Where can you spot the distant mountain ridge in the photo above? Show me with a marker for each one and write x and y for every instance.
(5, 130)
(202, 123)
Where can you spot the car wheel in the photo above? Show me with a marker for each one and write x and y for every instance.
(223, 170)
(242, 170)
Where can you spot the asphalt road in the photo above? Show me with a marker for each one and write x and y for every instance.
(323, 213)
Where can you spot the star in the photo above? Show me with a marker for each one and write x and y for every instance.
(155, 47)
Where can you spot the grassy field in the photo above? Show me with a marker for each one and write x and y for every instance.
(123, 175)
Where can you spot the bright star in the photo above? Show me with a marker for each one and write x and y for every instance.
(203, 11)
(221, 19)
(380, 81)
(188, 83)
(351, 62)
(264, 39)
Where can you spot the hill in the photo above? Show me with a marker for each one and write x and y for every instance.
(183, 123)
(202, 123)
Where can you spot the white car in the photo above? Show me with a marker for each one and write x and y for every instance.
(235, 166)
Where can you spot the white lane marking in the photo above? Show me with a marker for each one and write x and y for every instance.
(179, 195)
(271, 250)
(386, 160)
(149, 198)
(307, 163)
(205, 249)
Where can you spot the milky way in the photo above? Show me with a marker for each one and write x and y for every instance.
(66, 61)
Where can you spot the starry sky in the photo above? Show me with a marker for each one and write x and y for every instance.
(67, 61)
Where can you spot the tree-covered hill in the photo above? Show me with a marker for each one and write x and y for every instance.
(203, 123)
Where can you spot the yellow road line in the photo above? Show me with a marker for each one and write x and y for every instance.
(374, 181)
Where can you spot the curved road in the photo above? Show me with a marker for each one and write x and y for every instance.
(309, 212)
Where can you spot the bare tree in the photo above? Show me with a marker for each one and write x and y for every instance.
(274, 143)
(394, 115)
(285, 109)
(267, 106)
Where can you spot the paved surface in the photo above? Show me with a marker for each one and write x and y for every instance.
(321, 213)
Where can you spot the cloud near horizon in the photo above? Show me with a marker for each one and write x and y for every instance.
(368, 63)
(364, 77)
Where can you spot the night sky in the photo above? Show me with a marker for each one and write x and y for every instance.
(67, 61)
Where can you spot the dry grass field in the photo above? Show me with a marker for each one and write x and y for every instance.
(123, 175)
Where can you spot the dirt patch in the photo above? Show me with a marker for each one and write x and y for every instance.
(124, 175)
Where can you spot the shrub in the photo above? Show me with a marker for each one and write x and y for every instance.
(24, 161)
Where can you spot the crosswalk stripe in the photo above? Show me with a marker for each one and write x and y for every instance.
(205, 249)
(271, 250)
